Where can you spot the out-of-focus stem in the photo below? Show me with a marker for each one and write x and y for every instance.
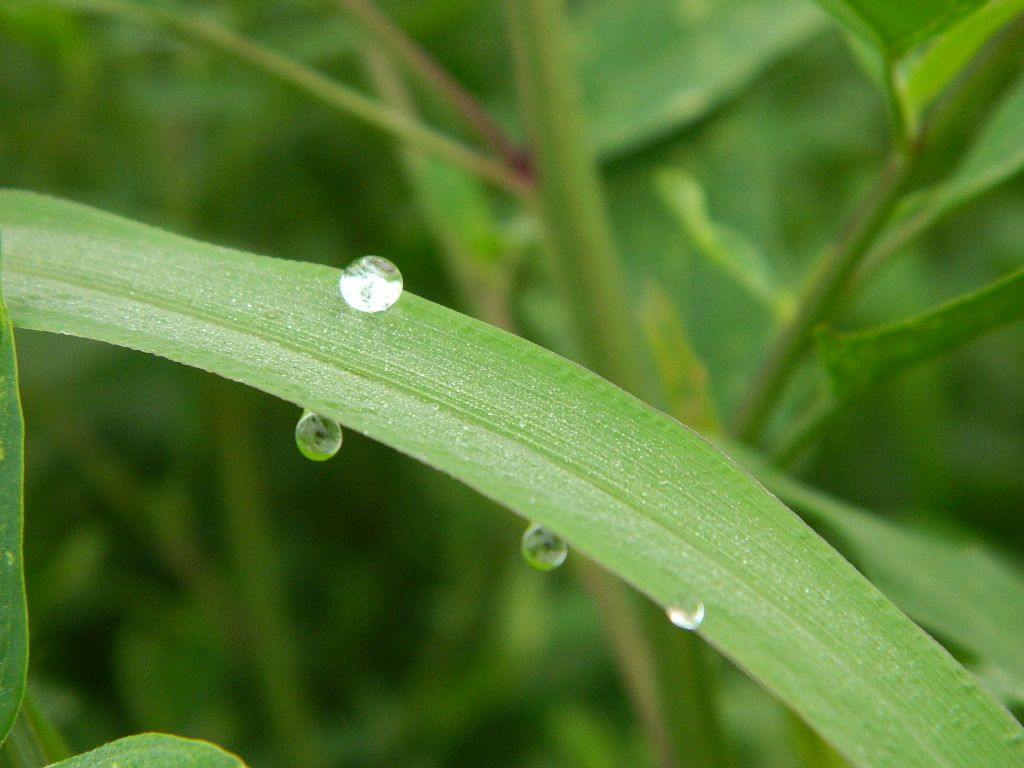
(315, 84)
(425, 67)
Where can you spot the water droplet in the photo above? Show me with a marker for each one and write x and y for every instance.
(686, 615)
(317, 437)
(8, 557)
(543, 549)
(371, 284)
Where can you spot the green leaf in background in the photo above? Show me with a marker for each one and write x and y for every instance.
(650, 66)
(957, 588)
(624, 484)
(895, 27)
(996, 156)
(13, 613)
(728, 250)
(856, 361)
(928, 75)
(154, 750)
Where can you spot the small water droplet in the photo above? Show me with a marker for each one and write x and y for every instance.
(370, 284)
(543, 549)
(687, 614)
(317, 437)
(8, 557)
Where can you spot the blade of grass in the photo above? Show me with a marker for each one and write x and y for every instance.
(624, 484)
(958, 588)
(13, 611)
(154, 750)
(311, 82)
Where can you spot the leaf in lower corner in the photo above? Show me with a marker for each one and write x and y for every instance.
(154, 750)
(13, 617)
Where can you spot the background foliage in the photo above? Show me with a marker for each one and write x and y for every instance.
(189, 571)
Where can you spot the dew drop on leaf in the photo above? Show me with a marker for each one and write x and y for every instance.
(370, 284)
(317, 437)
(543, 549)
(687, 614)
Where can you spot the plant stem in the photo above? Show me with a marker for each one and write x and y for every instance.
(313, 83)
(571, 207)
(430, 72)
(258, 571)
(481, 287)
(825, 287)
(586, 266)
(633, 653)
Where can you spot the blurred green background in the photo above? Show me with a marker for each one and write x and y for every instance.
(188, 571)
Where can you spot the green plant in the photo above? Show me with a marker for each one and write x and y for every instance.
(593, 458)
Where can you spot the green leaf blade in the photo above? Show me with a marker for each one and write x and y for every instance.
(154, 750)
(858, 361)
(624, 484)
(953, 50)
(895, 27)
(955, 587)
(13, 611)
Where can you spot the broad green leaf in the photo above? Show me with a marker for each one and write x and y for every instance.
(895, 27)
(856, 361)
(929, 74)
(651, 66)
(626, 485)
(726, 249)
(957, 588)
(154, 750)
(13, 616)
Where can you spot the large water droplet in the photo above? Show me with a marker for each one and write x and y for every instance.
(543, 549)
(687, 614)
(371, 284)
(317, 437)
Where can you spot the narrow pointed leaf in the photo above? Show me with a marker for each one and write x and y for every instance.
(13, 617)
(953, 586)
(623, 483)
(895, 27)
(953, 50)
(858, 361)
(154, 750)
